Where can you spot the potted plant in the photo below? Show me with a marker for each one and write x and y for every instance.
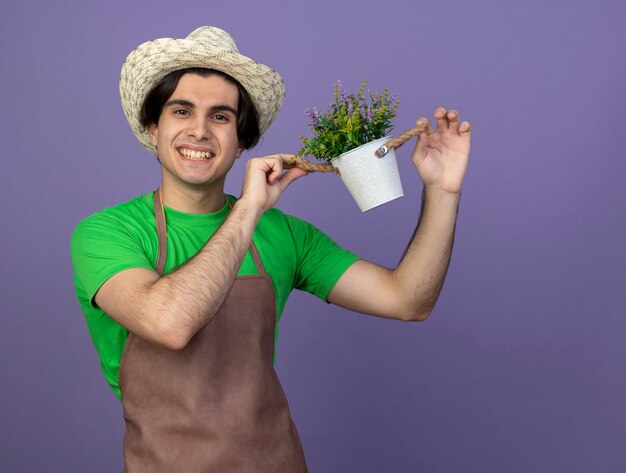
(348, 135)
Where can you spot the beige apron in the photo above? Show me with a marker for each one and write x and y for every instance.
(217, 405)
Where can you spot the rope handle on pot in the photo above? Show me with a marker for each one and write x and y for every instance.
(297, 162)
(400, 140)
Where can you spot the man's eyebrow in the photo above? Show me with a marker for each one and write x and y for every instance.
(184, 103)
(224, 108)
(215, 108)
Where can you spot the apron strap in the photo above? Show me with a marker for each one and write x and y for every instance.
(257, 259)
(159, 213)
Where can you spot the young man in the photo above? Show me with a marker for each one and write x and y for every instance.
(182, 288)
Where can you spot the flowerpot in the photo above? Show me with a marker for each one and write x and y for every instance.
(372, 181)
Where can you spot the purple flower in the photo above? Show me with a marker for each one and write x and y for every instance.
(350, 108)
(342, 92)
(314, 116)
(369, 115)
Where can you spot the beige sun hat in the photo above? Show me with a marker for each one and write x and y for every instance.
(208, 47)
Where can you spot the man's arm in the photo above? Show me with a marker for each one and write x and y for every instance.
(169, 310)
(411, 290)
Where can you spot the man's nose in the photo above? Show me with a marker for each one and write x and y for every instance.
(200, 128)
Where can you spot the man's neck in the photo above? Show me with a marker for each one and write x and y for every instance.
(193, 200)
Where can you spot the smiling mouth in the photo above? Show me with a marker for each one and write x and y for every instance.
(195, 155)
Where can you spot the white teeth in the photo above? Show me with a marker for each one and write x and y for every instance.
(196, 155)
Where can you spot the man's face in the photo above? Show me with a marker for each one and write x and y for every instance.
(196, 137)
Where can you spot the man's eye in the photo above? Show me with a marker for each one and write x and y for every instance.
(181, 112)
(220, 117)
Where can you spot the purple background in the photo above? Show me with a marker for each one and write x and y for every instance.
(521, 366)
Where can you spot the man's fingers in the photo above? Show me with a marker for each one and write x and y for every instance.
(272, 166)
(275, 167)
(453, 120)
(274, 175)
(284, 158)
(281, 160)
(422, 139)
(266, 179)
(425, 121)
(291, 175)
(442, 119)
(465, 128)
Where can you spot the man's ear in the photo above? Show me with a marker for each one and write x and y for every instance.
(153, 132)
(240, 150)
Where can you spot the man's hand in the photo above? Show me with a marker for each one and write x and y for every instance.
(441, 157)
(265, 180)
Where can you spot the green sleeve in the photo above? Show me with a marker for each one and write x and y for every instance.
(320, 261)
(100, 248)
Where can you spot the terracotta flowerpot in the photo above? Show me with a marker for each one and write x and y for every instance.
(372, 181)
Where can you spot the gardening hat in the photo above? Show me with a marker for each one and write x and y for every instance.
(207, 47)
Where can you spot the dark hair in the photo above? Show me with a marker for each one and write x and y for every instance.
(247, 117)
